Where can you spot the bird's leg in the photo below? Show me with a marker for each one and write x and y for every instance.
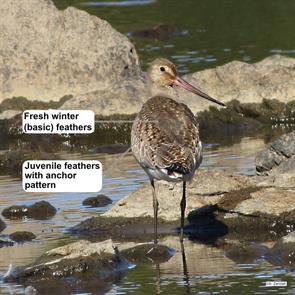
(156, 206)
(182, 208)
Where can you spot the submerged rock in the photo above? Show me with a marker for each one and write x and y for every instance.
(158, 32)
(22, 236)
(98, 201)
(149, 253)
(283, 252)
(247, 252)
(39, 210)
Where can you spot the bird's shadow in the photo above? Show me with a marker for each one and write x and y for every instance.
(205, 227)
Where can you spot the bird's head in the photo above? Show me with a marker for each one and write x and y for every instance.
(162, 73)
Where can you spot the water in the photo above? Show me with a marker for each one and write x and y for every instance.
(207, 268)
(208, 33)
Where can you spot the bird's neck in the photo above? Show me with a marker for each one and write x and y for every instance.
(156, 90)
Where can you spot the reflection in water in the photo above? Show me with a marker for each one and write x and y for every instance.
(185, 271)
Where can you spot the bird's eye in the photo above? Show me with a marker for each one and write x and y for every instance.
(162, 69)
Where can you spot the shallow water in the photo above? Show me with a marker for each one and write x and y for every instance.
(208, 269)
(208, 33)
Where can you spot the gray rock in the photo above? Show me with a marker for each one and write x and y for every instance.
(47, 53)
(271, 78)
(269, 201)
(279, 157)
(207, 186)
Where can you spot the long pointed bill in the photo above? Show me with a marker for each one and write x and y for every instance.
(182, 83)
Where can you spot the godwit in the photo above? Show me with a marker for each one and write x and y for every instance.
(165, 134)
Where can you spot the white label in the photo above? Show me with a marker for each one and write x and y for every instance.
(58, 121)
(276, 284)
(62, 176)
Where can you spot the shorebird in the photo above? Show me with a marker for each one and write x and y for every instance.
(165, 134)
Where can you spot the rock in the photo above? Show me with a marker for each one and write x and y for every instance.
(2, 225)
(247, 252)
(11, 161)
(93, 264)
(210, 183)
(149, 253)
(125, 97)
(98, 201)
(247, 83)
(284, 181)
(47, 53)
(39, 210)
(22, 236)
(160, 32)
(255, 201)
(278, 158)
(283, 252)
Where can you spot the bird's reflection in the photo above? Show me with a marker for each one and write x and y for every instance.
(186, 278)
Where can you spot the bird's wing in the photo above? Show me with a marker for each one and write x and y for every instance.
(165, 135)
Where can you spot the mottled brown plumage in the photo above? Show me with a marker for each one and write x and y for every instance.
(165, 134)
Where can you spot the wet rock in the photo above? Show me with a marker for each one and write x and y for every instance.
(64, 52)
(279, 157)
(283, 252)
(158, 32)
(22, 236)
(270, 212)
(39, 210)
(94, 264)
(11, 161)
(149, 253)
(139, 229)
(2, 225)
(207, 184)
(247, 252)
(98, 201)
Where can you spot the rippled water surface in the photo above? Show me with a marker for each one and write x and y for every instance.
(203, 34)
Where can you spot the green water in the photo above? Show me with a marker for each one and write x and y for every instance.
(212, 32)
